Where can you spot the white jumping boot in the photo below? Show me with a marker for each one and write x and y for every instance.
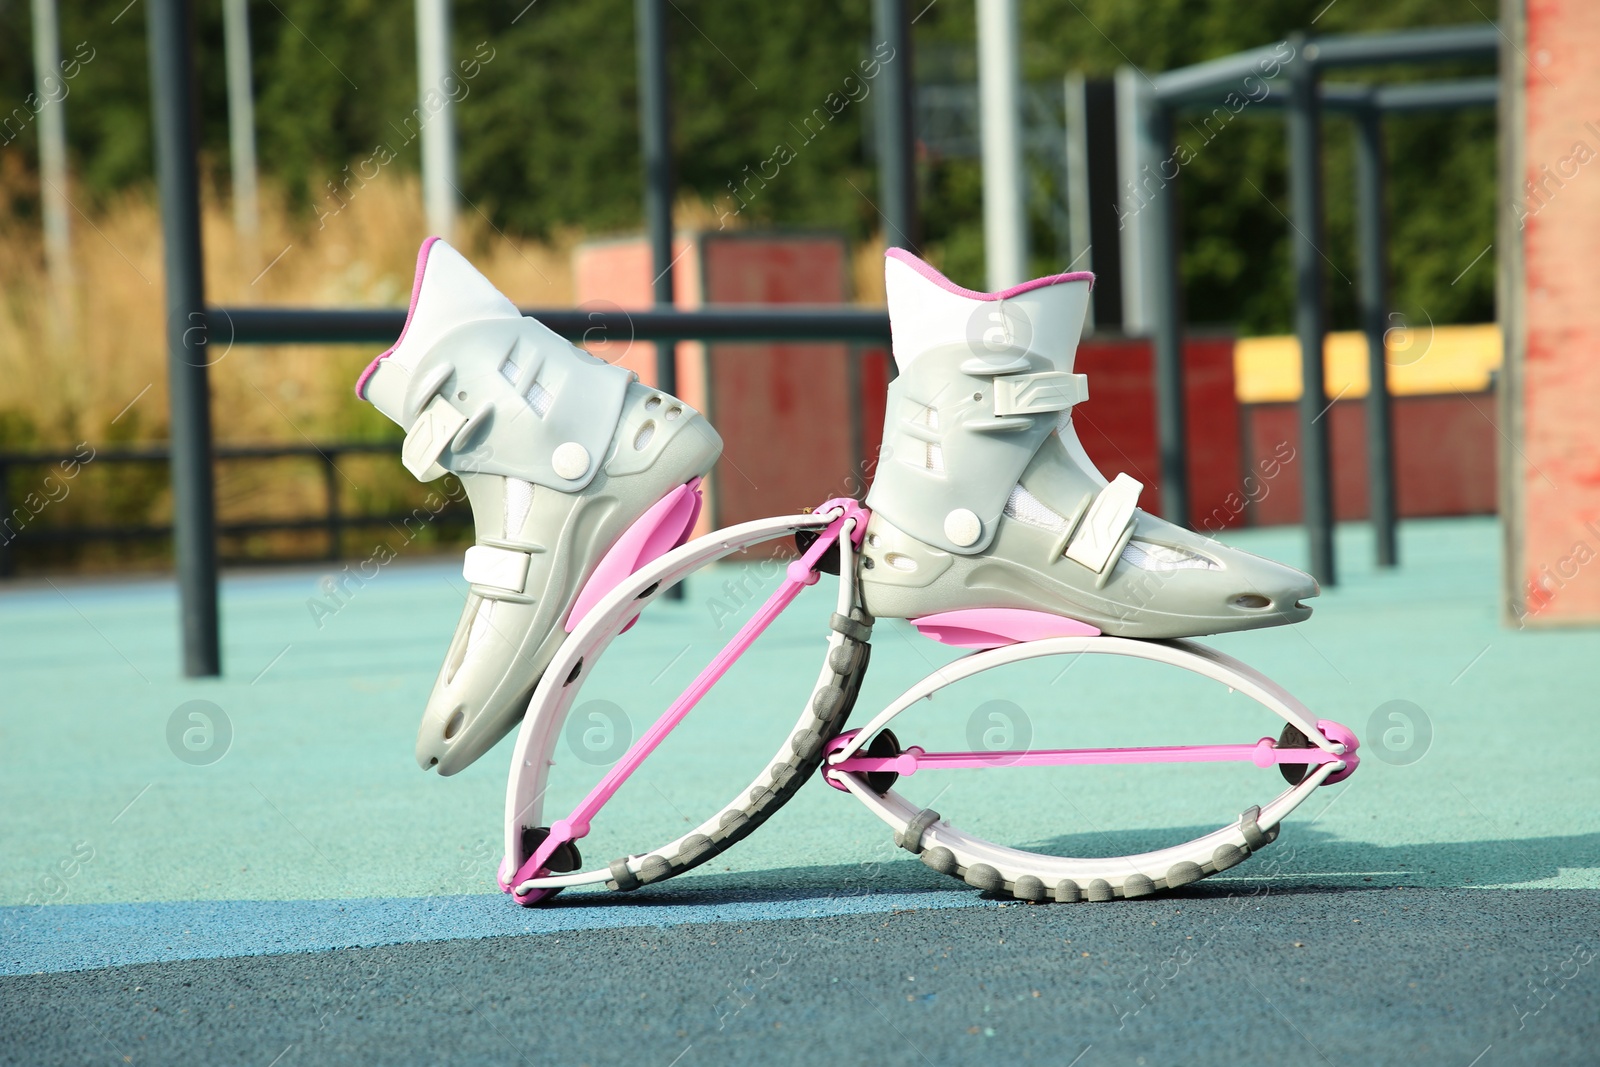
(559, 453)
(985, 498)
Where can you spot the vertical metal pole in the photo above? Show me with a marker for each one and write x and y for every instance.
(6, 536)
(1138, 159)
(194, 520)
(438, 120)
(52, 95)
(1080, 238)
(655, 137)
(1371, 223)
(241, 124)
(1164, 302)
(330, 485)
(1310, 317)
(897, 162)
(1005, 207)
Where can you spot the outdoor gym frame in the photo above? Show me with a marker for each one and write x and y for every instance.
(1157, 99)
(192, 327)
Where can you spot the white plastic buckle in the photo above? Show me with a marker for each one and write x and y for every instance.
(496, 568)
(432, 434)
(1030, 394)
(1100, 534)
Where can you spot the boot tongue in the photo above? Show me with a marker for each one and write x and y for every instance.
(447, 292)
(927, 311)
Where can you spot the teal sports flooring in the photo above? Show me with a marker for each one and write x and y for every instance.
(286, 883)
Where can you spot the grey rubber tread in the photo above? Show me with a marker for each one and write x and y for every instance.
(1183, 873)
(982, 876)
(1034, 889)
(831, 705)
(1029, 888)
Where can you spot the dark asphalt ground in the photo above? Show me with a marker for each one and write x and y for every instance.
(1281, 974)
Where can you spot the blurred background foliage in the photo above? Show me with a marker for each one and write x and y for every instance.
(548, 133)
(549, 155)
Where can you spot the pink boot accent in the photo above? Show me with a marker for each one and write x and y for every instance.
(658, 531)
(993, 627)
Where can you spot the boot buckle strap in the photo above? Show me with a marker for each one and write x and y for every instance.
(1106, 528)
(496, 568)
(1032, 394)
(432, 433)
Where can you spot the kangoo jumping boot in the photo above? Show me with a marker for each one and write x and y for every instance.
(985, 498)
(559, 454)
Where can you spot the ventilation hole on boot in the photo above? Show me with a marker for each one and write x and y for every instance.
(1153, 557)
(647, 431)
(929, 417)
(1254, 601)
(573, 677)
(462, 395)
(652, 404)
(977, 396)
(453, 727)
(872, 540)
(933, 460)
(900, 562)
(433, 761)
(1025, 507)
(866, 563)
(539, 398)
(673, 412)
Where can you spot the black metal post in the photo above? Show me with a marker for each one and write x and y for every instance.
(897, 161)
(330, 485)
(1310, 317)
(655, 136)
(1371, 224)
(1166, 314)
(6, 534)
(194, 520)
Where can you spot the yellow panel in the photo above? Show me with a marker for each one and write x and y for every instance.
(1440, 359)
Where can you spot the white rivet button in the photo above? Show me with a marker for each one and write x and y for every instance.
(962, 527)
(570, 461)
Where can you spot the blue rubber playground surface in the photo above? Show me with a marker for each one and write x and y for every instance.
(276, 883)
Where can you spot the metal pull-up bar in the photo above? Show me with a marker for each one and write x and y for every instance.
(191, 327)
(1151, 103)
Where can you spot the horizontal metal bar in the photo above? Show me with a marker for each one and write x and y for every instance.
(63, 534)
(161, 453)
(1201, 83)
(1345, 97)
(1430, 96)
(1435, 45)
(788, 322)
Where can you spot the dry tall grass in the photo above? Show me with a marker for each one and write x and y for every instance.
(60, 388)
(95, 369)
(90, 365)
